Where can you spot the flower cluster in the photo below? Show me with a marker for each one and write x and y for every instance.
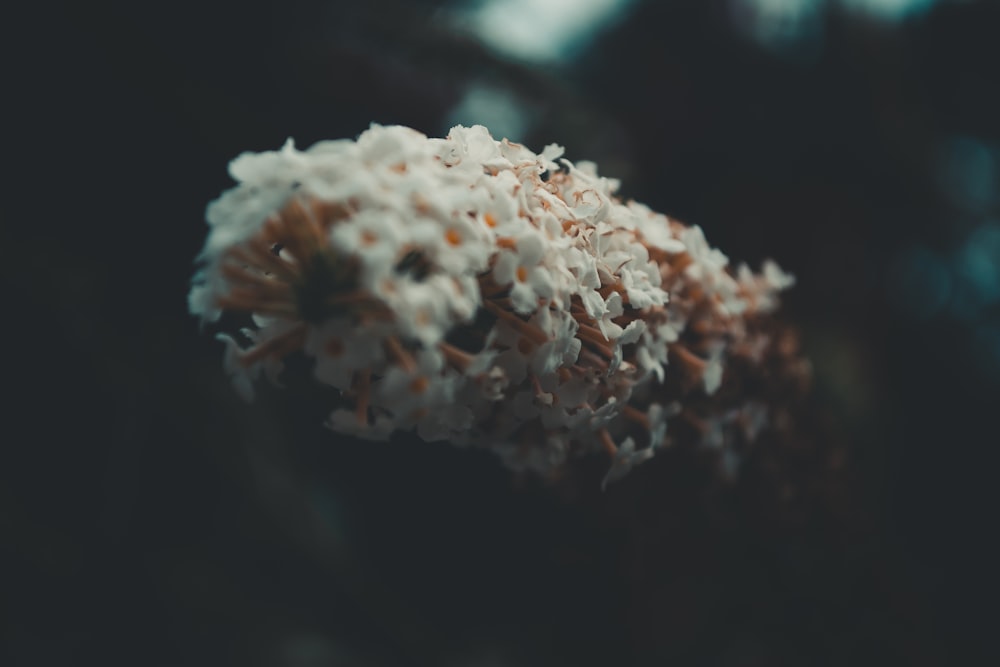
(476, 292)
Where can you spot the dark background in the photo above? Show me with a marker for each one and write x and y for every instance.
(149, 517)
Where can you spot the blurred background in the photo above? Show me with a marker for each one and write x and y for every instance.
(149, 517)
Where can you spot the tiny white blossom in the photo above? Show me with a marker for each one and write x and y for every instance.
(242, 376)
(522, 268)
(625, 459)
(475, 291)
(658, 416)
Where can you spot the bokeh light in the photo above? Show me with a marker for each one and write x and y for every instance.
(540, 32)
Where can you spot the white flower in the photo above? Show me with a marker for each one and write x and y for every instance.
(658, 416)
(642, 285)
(523, 269)
(421, 313)
(474, 147)
(712, 373)
(602, 416)
(477, 292)
(493, 384)
(613, 308)
(377, 238)
(562, 348)
(762, 290)
(649, 363)
(392, 145)
(655, 229)
(775, 277)
(341, 349)
(632, 332)
(625, 459)
(408, 392)
(241, 375)
(575, 392)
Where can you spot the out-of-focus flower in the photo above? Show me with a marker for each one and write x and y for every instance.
(474, 291)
